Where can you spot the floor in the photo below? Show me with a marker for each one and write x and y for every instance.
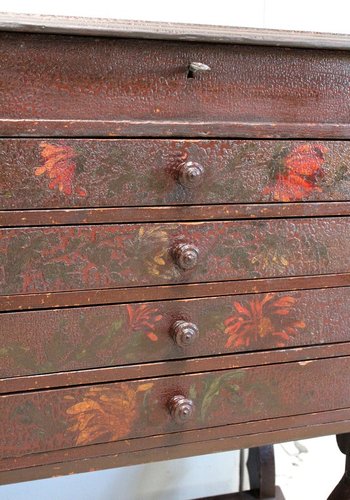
(310, 469)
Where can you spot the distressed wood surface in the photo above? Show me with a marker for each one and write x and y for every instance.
(91, 128)
(80, 338)
(42, 217)
(64, 258)
(58, 419)
(30, 301)
(66, 173)
(102, 461)
(223, 438)
(258, 392)
(167, 31)
(49, 89)
(171, 367)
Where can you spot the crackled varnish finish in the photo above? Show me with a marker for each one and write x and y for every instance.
(106, 173)
(47, 77)
(81, 338)
(59, 419)
(105, 256)
(242, 322)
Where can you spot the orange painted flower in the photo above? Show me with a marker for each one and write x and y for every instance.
(144, 317)
(59, 166)
(105, 414)
(262, 318)
(153, 245)
(301, 173)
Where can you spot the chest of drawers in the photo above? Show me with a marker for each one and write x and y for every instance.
(174, 252)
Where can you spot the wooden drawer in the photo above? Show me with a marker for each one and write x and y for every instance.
(91, 337)
(59, 419)
(106, 173)
(128, 86)
(64, 258)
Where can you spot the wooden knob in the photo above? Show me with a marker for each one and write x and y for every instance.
(190, 174)
(184, 333)
(181, 409)
(186, 255)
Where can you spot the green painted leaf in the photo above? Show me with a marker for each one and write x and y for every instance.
(213, 389)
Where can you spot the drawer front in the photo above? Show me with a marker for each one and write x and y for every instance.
(48, 77)
(91, 337)
(105, 173)
(65, 418)
(64, 258)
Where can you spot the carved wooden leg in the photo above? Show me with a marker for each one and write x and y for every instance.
(342, 490)
(261, 471)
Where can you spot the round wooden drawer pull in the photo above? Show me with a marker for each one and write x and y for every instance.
(184, 333)
(181, 409)
(186, 256)
(190, 174)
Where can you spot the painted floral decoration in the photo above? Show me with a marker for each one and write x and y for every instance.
(153, 246)
(105, 413)
(143, 317)
(300, 173)
(261, 318)
(59, 166)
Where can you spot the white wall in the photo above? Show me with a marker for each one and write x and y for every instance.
(211, 474)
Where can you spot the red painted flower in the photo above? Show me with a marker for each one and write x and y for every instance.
(59, 166)
(301, 174)
(262, 318)
(306, 159)
(144, 317)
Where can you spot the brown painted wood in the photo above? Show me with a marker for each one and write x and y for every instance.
(174, 367)
(61, 419)
(246, 431)
(17, 218)
(167, 31)
(91, 337)
(49, 90)
(82, 409)
(261, 472)
(101, 461)
(68, 258)
(166, 128)
(112, 296)
(39, 174)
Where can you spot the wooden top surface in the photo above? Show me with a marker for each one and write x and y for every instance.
(170, 31)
